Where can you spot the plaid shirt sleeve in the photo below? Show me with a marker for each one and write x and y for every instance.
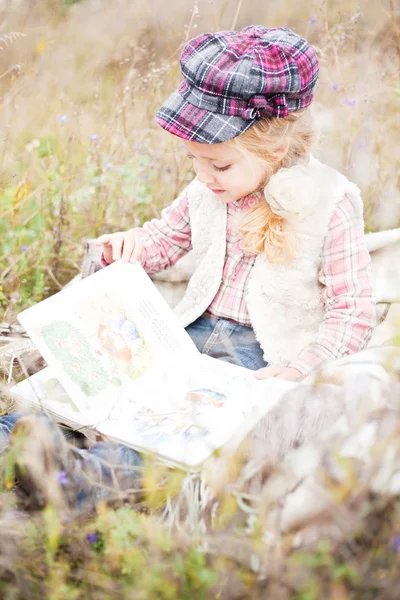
(348, 296)
(166, 239)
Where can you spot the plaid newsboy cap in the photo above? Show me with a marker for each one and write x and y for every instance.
(233, 78)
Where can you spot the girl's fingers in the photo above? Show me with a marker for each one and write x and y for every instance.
(103, 239)
(125, 245)
(268, 372)
(137, 250)
(129, 245)
(117, 243)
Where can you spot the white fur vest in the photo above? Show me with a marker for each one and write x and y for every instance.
(284, 301)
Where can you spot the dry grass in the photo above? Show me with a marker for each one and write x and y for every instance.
(81, 155)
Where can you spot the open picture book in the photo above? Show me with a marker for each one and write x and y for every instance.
(121, 364)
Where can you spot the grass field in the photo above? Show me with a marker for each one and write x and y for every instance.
(81, 153)
(80, 82)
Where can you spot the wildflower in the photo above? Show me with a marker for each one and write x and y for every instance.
(15, 297)
(94, 137)
(92, 538)
(55, 229)
(41, 46)
(32, 145)
(361, 144)
(396, 544)
(24, 248)
(313, 20)
(335, 87)
(349, 102)
(137, 146)
(109, 166)
(62, 478)
(63, 118)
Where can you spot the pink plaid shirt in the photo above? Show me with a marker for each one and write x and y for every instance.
(345, 273)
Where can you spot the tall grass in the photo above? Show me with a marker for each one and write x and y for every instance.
(81, 153)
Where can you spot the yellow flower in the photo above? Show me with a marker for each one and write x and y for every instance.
(41, 46)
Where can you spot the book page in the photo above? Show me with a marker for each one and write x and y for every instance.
(102, 335)
(44, 391)
(127, 368)
(182, 416)
(187, 416)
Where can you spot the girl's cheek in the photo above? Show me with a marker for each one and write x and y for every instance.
(230, 176)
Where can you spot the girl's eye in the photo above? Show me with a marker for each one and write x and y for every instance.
(222, 168)
(216, 168)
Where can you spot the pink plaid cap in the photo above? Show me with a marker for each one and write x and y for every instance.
(233, 78)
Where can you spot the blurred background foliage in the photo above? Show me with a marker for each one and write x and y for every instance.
(80, 82)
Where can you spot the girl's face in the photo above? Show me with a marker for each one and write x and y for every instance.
(227, 172)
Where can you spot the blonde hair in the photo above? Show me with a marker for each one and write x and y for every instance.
(281, 143)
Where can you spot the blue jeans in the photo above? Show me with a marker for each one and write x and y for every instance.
(227, 341)
(97, 473)
(110, 466)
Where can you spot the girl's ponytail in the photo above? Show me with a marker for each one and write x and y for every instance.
(281, 142)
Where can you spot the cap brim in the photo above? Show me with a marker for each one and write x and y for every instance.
(179, 117)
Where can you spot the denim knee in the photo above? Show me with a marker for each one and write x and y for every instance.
(7, 422)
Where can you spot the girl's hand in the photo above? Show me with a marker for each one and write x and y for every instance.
(287, 373)
(122, 244)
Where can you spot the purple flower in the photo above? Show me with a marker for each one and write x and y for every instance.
(350, 102)
(64, 118)
(92, 538)
(94, 137)
(335, 87)
(55, 229)
(109, 166)
(361, 144)
(24, 248)
(62, 477)
(396, 544)
(313, 20)
(137, 146)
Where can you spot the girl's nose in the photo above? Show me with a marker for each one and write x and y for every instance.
(204, 175)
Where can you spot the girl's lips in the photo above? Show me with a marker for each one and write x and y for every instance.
(218, 191)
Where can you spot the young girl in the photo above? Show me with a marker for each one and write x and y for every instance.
(282, 275)
(282, 281)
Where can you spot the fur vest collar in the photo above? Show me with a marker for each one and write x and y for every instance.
(284, 301)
